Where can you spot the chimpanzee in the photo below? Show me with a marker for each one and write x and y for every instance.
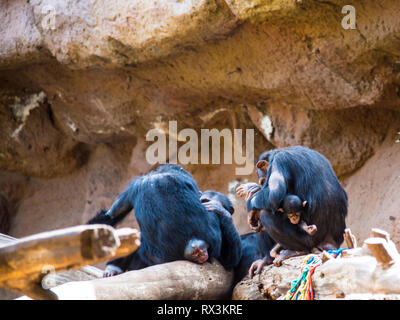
(293, 207)
(255, 246)
(174, 222)
(308, 174)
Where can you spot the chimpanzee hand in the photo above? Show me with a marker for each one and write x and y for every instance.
(311, 229)
(247, 190)
(253, 220)
(101, 218)
(216, 206)
(257, 266)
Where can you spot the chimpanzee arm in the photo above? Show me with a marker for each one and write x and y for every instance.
(231, 244)
(119, 209)
(231, 249)
(122, 205)
(271, 194)
(277, 189)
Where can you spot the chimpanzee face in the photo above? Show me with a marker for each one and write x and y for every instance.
(294, 217)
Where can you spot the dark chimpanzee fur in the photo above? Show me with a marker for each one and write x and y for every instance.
(292, 203)
(169, 212)
(309, 175)
(255, 246)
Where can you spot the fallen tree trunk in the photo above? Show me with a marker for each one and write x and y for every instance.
(24, 262)
(174, 280)
(371, 271)
(56, 279)
(83, 274)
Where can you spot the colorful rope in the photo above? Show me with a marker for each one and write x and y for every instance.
(302, 288)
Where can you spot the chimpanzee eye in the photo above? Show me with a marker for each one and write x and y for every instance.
(204, 200)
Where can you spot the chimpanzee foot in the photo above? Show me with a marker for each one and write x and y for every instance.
(278, 261)
(274, 253)
(111, 271)
(286, 254)
(327, 246)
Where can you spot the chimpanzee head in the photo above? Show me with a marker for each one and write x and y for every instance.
(293, 207)
(264, 161)
(196, 250)
(210, 195)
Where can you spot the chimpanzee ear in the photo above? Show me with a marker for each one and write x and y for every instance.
(263, 165)
(281, 210)
(304, 204)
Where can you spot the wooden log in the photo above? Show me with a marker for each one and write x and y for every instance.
(23, 262)
(82, 274)
(383, 253)
(326, 256)
(175, 280)
(379, 233)
(129, 239)
(55, 279)
(32, 288)
(350, 239)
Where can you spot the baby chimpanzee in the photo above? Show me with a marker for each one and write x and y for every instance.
(294, 207)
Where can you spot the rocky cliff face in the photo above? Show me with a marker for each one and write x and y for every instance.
(81, 83)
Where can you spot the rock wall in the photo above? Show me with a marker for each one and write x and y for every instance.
(81, 83)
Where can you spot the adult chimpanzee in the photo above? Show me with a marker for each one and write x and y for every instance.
(308, 174)
(174, 223)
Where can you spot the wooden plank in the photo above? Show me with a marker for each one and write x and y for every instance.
(381, 251)
(350, 239)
